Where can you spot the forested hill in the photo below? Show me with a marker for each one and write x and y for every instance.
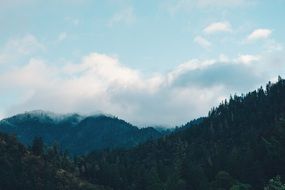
(75, 133)
(240, 145)
(38, 168)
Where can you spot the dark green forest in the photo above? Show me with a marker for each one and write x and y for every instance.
(240, 145)
(38, 167)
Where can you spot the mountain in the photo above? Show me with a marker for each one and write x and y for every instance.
(76, 133)
(240, 145)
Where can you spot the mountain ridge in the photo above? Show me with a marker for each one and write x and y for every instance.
(76, 133)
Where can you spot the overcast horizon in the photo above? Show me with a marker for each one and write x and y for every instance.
(149, 63)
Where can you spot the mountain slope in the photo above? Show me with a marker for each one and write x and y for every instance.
(76, 133)
(22, 168)
(240, 145)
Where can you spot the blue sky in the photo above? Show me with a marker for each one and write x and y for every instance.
(149, 62)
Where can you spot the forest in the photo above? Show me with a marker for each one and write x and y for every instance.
(238, 146)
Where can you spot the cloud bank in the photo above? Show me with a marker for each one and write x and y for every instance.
(100, 83)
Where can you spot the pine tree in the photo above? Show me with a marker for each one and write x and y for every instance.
(38, 146)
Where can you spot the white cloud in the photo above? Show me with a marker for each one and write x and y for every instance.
(247, 59)
(26, 45)
(218, 27)
(17, 48)
(100, 83)
(223, 58)
(191, 65)
(272, 46)
(259, 34)
(202, 42)
(125, 16)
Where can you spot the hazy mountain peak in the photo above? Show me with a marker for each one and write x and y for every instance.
(45, 116)
(74, 132)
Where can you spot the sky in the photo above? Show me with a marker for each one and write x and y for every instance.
(151, 62)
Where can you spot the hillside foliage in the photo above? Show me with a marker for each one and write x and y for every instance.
(240, 145)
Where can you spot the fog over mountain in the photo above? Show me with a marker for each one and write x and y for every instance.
(75, 133)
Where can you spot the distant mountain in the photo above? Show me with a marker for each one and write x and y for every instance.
(75, 133)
